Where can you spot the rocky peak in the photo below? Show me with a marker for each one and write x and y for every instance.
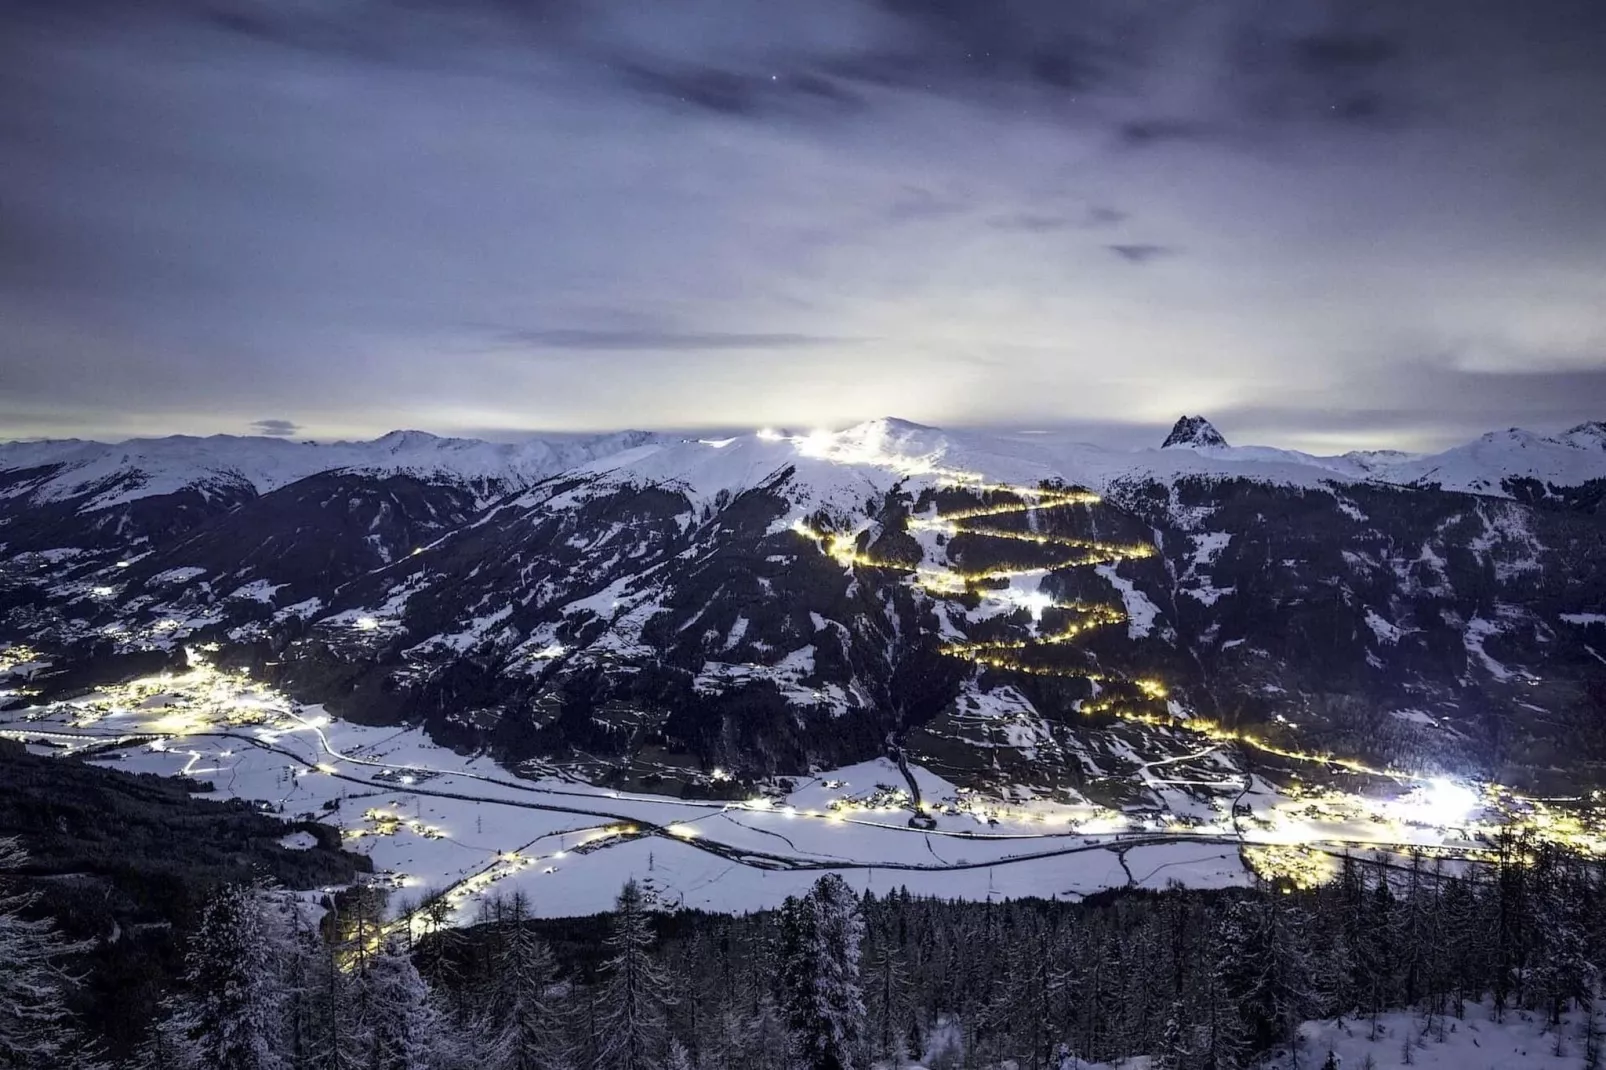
(1591, 435)
(1193, 431)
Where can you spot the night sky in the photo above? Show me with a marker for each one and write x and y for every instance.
(1326, 226)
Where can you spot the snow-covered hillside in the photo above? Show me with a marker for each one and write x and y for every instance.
(113, 474)
(1195, 448)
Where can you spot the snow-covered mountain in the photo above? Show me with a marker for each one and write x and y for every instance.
(1022, 607)
(1193, 431)
(100, 475)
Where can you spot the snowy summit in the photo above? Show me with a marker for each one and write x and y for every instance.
(1193, 431)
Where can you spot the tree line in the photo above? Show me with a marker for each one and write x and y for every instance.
(835, 980)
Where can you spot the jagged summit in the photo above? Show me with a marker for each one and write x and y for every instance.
(1193, 431)
(1587, 435)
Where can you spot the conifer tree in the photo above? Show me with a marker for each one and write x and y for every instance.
(768, 1044)
(35, 1023)
(231, 1015)
(630, 1010)
(820, 971)
(405, 1030)
(521, 1027)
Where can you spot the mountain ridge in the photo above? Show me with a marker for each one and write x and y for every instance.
(1194, 447)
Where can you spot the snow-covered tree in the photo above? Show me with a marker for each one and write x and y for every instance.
(820, 972)
(677, 1059)
(1174, 1049)
(521, 1030)
(630, 1010)
(767, 1043)
(231, 1016)
(35, 1024)
(1263, 967)
(406, 1031)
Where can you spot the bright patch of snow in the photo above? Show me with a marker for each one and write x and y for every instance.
(1140, 612)
(174, 576)
(1385, 631)
(1584, 618)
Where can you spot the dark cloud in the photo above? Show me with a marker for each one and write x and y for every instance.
(1094, 218)
(276, 428)
(1144, 132)
(1031, 222)
(1140, 253)
(1345, 50)
(734, 93)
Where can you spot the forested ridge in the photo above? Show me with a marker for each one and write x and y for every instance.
(840, 981)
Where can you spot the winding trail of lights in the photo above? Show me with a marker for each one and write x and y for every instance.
(1002, 654)
(949, 580)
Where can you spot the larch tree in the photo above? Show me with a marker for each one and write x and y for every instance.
(630, 1009)
(521, 1029)
(35, 1024)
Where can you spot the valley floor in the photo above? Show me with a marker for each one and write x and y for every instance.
(435, 821)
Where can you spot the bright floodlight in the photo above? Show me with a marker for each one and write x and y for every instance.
(1444, 802)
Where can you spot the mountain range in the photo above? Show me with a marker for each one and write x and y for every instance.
(1005, 608)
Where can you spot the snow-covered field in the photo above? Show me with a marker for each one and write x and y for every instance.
(1475, 1041)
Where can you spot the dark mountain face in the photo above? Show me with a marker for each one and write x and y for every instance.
(767, 611)
(1193, 431)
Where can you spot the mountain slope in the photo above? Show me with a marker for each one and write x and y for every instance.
(1018, 609)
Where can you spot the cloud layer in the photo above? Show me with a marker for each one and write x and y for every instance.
(1349, 225)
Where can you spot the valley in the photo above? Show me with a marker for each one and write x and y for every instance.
(447, 827)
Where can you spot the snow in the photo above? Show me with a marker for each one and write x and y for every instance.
(1140, 612)
(1208, 593)
(1414, 716)
(1472, 1042)
(432, 818)
(1584, 618)
(1208, 545)
(1385, 631)
(1478, 631)
(256, 591)
(304, 610)
(175, 576)
(119, 473)
(834, 471)
(298, 841)
(1567, 460)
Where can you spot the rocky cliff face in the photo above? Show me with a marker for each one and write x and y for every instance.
(1005, 609)
(1193, 431)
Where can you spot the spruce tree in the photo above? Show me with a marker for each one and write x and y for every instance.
(820, 972)
(405, 1030)
(231, 1015)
